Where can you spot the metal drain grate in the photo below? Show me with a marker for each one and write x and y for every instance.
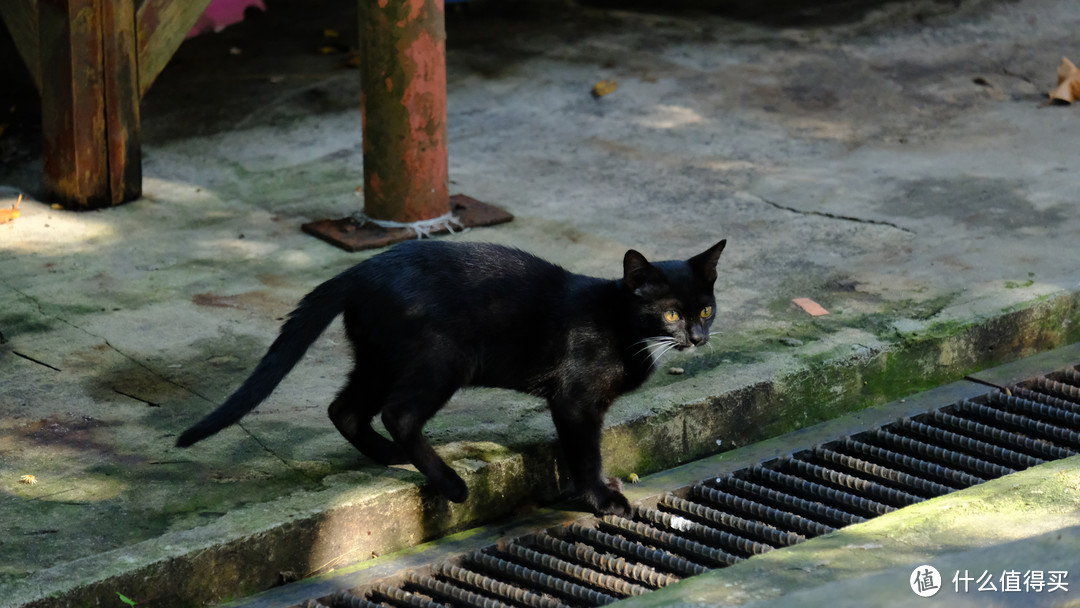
(777, 503)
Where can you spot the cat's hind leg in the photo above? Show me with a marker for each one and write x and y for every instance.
(410, 404)
(352, 411)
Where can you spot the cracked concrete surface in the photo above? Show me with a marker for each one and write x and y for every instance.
(845, 218)
(893, 161)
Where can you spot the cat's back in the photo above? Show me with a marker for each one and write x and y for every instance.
(464, 264)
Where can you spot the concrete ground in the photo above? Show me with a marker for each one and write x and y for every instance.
(893, 161)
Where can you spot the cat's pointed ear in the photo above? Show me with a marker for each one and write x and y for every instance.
(704, 264)
(641, 277)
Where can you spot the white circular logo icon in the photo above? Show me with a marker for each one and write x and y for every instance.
(925, 580)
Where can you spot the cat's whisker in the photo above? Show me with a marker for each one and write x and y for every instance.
(658, 346)
(648, 345)
(667, 348)
(711, 334)
(659, 350)
(651, 345)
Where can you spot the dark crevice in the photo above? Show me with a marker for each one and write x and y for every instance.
(139, 399)
(33, 360)
(985, 383)
(846, 218)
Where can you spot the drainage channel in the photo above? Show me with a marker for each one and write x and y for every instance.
(776, 503)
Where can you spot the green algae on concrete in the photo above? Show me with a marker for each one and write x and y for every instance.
(1040, 500)
(712, 410)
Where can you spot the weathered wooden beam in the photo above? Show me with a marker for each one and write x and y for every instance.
(21, 18)
(122, 131)
(73, 103)
(161, 26)
(403, 79)
(89, 102)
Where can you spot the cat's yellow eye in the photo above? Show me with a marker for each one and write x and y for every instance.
(671, 316)
(706, 312)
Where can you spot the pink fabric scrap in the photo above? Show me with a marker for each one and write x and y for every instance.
(221, 14)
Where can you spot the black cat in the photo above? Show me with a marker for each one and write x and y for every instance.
(427, 318)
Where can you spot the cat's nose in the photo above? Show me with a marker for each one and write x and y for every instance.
(698, 336)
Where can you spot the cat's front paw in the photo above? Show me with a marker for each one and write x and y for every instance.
(606, 501)
(615, 504)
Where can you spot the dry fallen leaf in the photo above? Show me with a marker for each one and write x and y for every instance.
(604, 87)
(28, 480)
(6, 215)
(1068, 80)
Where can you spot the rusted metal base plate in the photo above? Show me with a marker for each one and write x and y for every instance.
(347, 234)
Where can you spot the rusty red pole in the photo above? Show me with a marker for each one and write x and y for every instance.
(403, 78)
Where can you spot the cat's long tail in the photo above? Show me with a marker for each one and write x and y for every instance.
(305, 324)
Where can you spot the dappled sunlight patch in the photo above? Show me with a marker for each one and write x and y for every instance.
(230, 246)
(43, 230)
(177, 192)
(664, 116)
(731, 164)
(69, 487)
(817, 128)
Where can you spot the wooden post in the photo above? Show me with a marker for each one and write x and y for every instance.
(89, 102)
(403, 79)
(122, 95)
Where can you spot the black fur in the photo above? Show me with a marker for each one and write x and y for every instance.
(427, 318)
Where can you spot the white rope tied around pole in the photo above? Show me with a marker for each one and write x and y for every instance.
(422, 228)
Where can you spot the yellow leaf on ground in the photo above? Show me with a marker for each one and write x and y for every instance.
(6, 215)
(604, 87)
(1068, 79)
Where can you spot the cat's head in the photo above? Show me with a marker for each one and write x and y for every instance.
(674, 299)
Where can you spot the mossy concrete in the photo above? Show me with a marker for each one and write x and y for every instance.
(800, 387)
(1024, 521)
(847, 153)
